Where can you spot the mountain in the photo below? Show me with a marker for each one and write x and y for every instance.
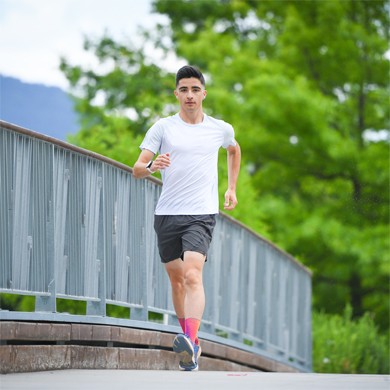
(46, 110)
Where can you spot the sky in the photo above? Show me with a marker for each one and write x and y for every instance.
(35, 34)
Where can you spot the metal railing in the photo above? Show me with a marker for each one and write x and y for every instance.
(77, 225)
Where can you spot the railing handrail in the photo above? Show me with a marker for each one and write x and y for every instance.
(68, 232)
(129, 169)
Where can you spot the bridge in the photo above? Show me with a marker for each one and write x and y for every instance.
(75, 225)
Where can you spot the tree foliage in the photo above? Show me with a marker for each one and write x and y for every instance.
(346, 346)
(305, 85)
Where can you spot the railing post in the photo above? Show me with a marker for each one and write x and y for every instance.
(98, 308)
(48, 303)
(141, 313)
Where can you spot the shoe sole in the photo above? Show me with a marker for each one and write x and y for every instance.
(192, 368)
(182, 346)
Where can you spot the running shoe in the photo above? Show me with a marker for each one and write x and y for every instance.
(187, 352)
(195, 366)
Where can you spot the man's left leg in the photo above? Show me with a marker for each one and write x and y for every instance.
(187, 346)
(194, 301)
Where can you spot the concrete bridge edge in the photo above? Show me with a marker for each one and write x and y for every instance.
(40, 346)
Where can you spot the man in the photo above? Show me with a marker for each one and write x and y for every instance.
(187, 145)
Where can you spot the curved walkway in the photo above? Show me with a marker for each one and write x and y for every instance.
(171, 380)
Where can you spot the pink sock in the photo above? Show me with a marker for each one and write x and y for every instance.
(182, 322)
(192, 327)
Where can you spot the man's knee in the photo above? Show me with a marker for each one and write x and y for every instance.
(193, 277)
(193, 266)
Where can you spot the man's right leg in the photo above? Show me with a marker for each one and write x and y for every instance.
(168, 230)
(175, 271)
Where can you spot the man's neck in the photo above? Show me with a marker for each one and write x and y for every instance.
(192, 118)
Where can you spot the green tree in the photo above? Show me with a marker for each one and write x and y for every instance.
(306, 83)
(305, 86)
(119, 101)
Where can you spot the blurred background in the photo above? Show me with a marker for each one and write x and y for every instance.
(305, 85)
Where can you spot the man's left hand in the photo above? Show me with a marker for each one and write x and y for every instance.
(230, 200)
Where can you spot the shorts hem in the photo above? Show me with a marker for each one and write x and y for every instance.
(181, 257)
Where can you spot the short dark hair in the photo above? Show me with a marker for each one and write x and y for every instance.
(189, 71)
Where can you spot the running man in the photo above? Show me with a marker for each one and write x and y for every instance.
(187, 145)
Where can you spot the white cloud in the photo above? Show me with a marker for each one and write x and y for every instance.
(34, 34)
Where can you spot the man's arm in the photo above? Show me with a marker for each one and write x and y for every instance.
(161, 162)
(233, 162)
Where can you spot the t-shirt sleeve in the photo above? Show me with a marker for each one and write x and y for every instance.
(153, 138)
(228, 138)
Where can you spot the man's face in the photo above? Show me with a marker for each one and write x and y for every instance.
(190, 93)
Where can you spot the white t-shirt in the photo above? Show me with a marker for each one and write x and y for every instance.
(190, 183)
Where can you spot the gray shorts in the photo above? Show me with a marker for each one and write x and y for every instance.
(177, 234)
